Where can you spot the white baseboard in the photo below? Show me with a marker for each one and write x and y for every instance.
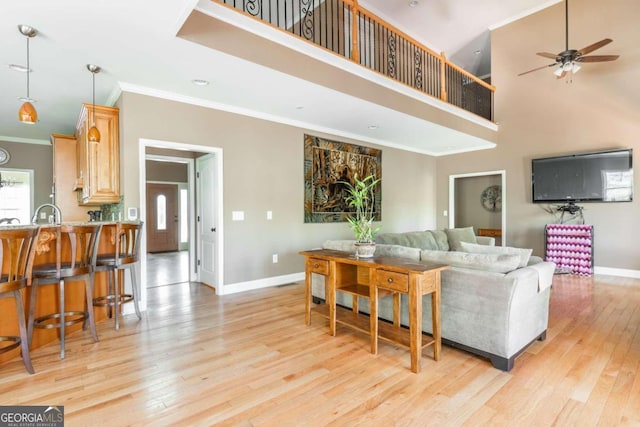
(621, 272)
(297, 277)
(263, 283)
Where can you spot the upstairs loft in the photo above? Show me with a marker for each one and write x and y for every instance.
(342, 47)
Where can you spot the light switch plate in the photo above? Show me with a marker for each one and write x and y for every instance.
(132, 214)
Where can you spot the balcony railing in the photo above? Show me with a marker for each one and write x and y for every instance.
(347, 29)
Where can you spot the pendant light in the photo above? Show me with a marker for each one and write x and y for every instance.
(27, 112)
(94, 134)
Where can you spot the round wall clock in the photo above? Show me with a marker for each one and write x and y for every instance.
(4, 156)
(491, 198)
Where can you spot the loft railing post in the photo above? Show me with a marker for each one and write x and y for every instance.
(355, 52)
(443, 77)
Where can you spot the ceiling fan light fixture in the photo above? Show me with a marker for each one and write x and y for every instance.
(575, 68)
(27, 112)
(558, 71)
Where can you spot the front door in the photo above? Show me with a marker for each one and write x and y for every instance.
(162, 217)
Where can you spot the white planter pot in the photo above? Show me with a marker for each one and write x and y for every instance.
(365, 250)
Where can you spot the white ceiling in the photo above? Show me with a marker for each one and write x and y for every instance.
(135, 43)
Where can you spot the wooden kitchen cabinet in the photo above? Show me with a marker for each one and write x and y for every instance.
(64, 176)
(98, 164)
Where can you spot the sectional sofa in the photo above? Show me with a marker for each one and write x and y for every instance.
(495, 300)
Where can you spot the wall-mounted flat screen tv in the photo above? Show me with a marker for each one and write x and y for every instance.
(604, 176)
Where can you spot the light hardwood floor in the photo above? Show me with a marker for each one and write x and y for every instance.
(248, 359)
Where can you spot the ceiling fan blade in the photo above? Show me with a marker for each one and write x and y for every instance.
(594, 46)
(539, 68)
(598, 58)
(547, 55)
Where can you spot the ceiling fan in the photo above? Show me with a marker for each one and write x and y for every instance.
(569, 59)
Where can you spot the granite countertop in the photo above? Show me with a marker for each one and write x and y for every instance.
(47, 225)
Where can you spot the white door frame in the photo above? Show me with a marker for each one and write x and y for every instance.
(452, 197)
(142, 156)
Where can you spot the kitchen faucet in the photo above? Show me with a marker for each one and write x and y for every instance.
(57, 215)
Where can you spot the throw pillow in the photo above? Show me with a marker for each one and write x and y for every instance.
(457, 235)
(524, 254)
(487, 262)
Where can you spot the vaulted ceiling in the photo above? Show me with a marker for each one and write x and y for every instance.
(136, 44)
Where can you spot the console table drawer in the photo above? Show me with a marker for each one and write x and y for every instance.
(318, 266)
(394, 281)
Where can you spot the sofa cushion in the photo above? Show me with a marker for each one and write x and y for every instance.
(496, 263)
(411, 239)
(442, 241)
(457, 235)
(524, 254)
(397, 251)
(381, 249)
(340, 245)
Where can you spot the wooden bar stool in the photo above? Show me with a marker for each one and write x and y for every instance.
(126, 239)
(83, 246)
(17, 248)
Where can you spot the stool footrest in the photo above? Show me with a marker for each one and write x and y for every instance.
(39, 322)
(16, 343)
(110, 300)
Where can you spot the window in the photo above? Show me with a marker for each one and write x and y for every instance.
(16, 195)
(184, 229)
(161, 212)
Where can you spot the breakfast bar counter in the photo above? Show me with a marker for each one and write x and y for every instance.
(47, 300)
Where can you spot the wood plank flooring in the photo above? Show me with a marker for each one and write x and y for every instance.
(248, 360)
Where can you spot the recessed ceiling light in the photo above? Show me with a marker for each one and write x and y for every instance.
(477, 52)
(20, 68)
(372, 127)
(413, 3)
(299, 107)
(200, 82)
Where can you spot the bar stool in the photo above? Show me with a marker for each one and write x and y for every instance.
(126, 239)
(83, 247)
(17, 248)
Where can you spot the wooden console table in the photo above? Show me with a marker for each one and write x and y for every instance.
(370, 278)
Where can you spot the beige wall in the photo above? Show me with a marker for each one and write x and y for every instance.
(468, 209)
(263, 170)
(36, 157)
(541, 116)
(166, 171)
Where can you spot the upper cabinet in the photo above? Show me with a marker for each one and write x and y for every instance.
(98, 164)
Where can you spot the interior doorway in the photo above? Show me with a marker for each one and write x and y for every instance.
(188, 230)
(479, 200)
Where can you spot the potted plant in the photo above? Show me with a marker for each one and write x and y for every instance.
(361, 197)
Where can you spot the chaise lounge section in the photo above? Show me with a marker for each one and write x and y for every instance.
(494, 304)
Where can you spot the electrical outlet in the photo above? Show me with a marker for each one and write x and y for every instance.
(275, 258)
(445, 213)
(269, 215)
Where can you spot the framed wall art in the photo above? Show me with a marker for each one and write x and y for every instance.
(327, 166)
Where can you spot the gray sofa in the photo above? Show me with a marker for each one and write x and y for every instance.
(493, 304)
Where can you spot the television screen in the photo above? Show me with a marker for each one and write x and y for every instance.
(605, 176)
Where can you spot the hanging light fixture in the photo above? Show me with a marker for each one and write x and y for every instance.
(94, 134)
(27, 112)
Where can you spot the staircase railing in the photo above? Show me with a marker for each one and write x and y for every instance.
(347, 29)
